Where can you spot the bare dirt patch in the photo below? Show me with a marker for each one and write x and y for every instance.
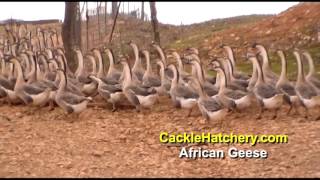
(38, 143)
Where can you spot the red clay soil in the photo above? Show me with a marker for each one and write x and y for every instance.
(38, 143)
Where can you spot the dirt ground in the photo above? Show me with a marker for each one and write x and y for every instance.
(40, 143)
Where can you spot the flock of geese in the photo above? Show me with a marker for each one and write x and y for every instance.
(41, 77)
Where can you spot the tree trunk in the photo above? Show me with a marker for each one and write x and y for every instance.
(114, 9)
(142, 11)
(154, 22)
(105, 17)
(70, 36)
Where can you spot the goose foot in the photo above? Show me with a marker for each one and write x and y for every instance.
(260, 113)
(138, 109)
(275, 114)
(289, 110)
(113, 108)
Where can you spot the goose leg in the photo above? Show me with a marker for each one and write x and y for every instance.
(307, 113)
(51, 105)
(138, 108)
(188, 115)
(114, 108)
(289, 110)
(260, 113)
(275, 114)
(296, 112)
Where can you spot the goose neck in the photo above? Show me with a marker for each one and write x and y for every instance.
(283, 75)
(300, 78)
(311, 64)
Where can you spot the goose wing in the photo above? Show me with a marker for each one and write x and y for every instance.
(139, 75)
(110, 80)
(210, 89)
(72, 98)
(306, 91)
(265, 91)
(235, 94)
(185, 92)
(6, 84)
(111, 88)
(288, 89)
(152, 82)
(211, 105)
(32, 90)
(84, 79)
(142, 91)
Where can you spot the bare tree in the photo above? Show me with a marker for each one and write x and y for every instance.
(114, 9)
(142, 11)
(70, 36)
(154, 22)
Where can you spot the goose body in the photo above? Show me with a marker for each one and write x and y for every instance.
(69, 102)
(265, 93)
(137, 95)
(311, 76)
(283, 85)
(181, 96)
(211, 108)
(306, 92)
(111, 93)
(237, 74)
(29, 94)
(240, 99)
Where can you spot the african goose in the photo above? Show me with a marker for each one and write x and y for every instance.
(208, 88)
(240, 83)
(180, 65)
(266, 94)
(165, 83)
(269, 75)
(137, 68)
(234, 85)
(182, 96)
(111, 93)
(211, 108)
(311, 76)
(285, 86)
(112, 73)
(149, 79)
(237, 74)
(183, 74)
(29, 94)
(240, 99)
(136, 94)
(69, 102)
(193, 55)
(89, 86)
(306, 92)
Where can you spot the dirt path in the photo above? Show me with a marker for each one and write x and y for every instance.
(126, 144)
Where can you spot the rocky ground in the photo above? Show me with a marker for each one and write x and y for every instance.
(38, 143)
